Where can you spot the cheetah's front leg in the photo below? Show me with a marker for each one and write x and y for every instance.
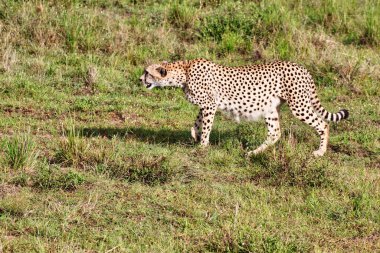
(196, 129)
(208, 114)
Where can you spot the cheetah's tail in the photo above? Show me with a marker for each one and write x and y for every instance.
(335, 117)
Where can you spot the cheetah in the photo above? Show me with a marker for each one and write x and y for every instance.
(248, 92)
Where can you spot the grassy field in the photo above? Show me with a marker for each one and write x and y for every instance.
(91, 161)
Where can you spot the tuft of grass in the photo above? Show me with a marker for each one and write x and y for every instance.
(246, 241)
(288, 166)
(52, 177)
(231, 42)
(147, 170)
(83, 104)
(72, 148)
(21, 179)
(371, 33)
(20, 151)
(14, 206)
(182, 16)
(232, 20)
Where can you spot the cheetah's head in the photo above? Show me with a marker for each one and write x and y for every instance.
(163, 75)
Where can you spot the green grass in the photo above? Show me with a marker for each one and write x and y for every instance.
(20, 151)
(107, 165)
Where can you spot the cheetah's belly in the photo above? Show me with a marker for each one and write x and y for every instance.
(251, 111)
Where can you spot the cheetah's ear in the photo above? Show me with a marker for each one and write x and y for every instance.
(165, 62)
(162, 71)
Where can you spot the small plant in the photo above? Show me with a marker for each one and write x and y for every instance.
(9, 59)
(20, 151)
(91, 79)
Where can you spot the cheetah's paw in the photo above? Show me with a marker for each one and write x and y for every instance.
(318, 153)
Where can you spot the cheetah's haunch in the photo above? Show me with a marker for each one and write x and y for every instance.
(248, 92)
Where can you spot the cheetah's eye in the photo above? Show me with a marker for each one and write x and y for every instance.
(162, 71)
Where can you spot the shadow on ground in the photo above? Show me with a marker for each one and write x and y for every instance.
(149, 135)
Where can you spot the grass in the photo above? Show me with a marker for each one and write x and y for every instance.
(20, 151)
(110, 166)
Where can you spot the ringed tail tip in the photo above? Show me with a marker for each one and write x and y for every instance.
(344, 113)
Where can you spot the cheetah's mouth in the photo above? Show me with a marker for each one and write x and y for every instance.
(150, 86)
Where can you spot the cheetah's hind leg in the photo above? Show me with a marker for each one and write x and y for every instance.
(310, 117)
(274, 133)
(196, 129)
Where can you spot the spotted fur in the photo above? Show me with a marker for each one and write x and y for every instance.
(248, 92)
